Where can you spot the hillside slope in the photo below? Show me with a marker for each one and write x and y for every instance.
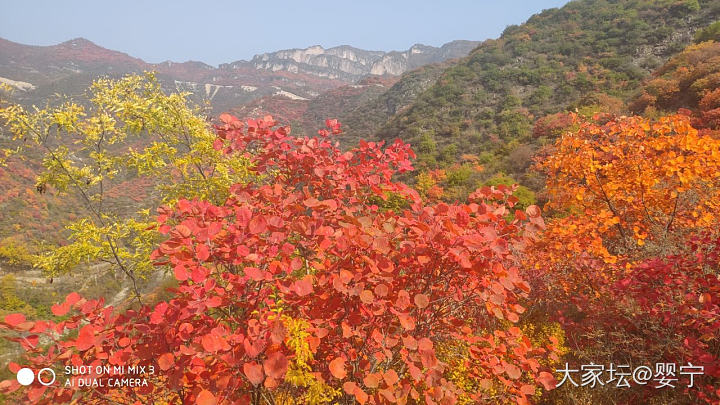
(583, 55)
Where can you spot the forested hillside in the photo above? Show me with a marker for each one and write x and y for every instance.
(587, 55)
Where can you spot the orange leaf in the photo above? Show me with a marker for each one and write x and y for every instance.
(361, 396)
(381, 290)
(425, 344)
(367, 297)
(227, 118)
(337, 368)
(512, 371)
(166, 361)
(277, 331)
(206, 397)
(410, 342)
(421, 300)
(371, 381)
(349, 387)
(390, 377)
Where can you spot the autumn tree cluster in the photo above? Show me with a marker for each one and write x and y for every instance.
(628, 262)
(303, 286)
(313, 275)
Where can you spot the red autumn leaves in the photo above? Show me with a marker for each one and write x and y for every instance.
(382, 294)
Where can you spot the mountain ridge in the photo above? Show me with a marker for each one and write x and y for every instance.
(70, 66)
(82, 49)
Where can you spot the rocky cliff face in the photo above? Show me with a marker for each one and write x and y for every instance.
(351, 64)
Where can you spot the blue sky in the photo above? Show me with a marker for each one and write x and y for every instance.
(224, 31)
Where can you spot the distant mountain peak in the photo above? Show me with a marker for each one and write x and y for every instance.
(79, 43)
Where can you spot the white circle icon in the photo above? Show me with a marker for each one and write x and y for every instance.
(25, 376)
(46, 383)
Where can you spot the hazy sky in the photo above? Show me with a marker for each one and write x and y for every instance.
(224, 31)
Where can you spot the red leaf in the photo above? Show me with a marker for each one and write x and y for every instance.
(181, 273)
(218, 144)
(257, 225)
(276, 365)
(303, 287)
(311, 202)
(183, 332)
(36, 393)
(242, 250)
(253, 372)
(14, 319)
(547, 380)
(337, 368)
(183, 230)
(199, 274)
(60, 310)
(72, 298)
(86, 338)
(277, 331)
(227, 118)
(202, 251)
(206, 397)
(212, 342)
(254, 273)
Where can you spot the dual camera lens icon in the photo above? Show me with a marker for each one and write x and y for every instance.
(45, 376)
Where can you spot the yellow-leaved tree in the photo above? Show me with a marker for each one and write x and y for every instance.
(122, 151)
